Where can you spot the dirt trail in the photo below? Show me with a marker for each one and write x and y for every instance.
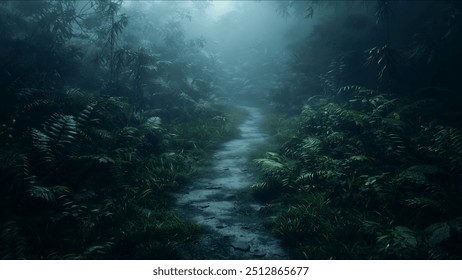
(218, 200)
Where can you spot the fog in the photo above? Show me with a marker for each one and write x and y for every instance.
(230, 130)
(252, 48)
(248, 40)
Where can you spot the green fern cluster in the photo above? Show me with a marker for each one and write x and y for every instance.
(356, 180)
(91, 176)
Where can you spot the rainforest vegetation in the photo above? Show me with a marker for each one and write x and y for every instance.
(109, 107)
(97, 130)
(370, 157)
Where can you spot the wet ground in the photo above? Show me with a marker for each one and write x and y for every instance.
(219, 201)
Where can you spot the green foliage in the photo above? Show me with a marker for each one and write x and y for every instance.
(358, 180)
(369, 162)
(278, 173)
(399, 242)
(300, 224)
(87, 166)
(385, 59)
(376, 150)
(97, 129)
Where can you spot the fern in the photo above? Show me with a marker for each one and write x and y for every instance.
(382, 106)
(13, 241)
(311, 145)
(313, 180)
(57, 136)
(97, 251)
(43, 193)
(399, 242)
(334, 138)
(449, 143)
(428, 199)
(278, 174)
(343, 115)
(356, 91)
(272, 164)
(385, 58)
(301, 223)
(395, 143)
(423, 48)
(41, 141)
(269, 166)
(83, 117)
(260, 186)
(440, 232)
(62, 129)
(99, 134)
(443, 144)
(424, 203)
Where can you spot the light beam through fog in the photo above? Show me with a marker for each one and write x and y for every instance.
(218, 9)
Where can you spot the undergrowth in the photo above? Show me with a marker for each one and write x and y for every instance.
(94, 180)
(359, 183)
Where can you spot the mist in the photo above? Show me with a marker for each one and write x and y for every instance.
(247, 40)
(274, 130)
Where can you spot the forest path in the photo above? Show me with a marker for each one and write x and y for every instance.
(219, 201)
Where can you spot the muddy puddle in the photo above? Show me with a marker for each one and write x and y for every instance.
(219, 201)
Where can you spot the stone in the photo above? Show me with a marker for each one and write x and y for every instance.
(230, 197)
(241, 246)
(258, 254)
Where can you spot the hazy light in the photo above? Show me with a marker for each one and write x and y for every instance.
(220, 8)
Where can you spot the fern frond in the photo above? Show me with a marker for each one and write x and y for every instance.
(268, 165)
(424, 203)
(397, 142)
(384, 107)
(335, 138)
(100, 134)
(397, 240)
(97, 250)
(357, 91)
(261, 186)
(42, 193)
(13, 242)
(63, 129)
(311, 145)
(85, 114)
(447, 142)
(41, 141)
(306, 177)
(344, 115)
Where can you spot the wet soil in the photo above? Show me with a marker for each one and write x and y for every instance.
(220, 201)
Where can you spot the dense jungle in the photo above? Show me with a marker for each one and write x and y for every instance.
(230, 129)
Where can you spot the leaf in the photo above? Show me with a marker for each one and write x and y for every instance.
(43, 193)
(105, 159)
(61, 129)
(269, 165)
(438, 233)
(406, 236)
